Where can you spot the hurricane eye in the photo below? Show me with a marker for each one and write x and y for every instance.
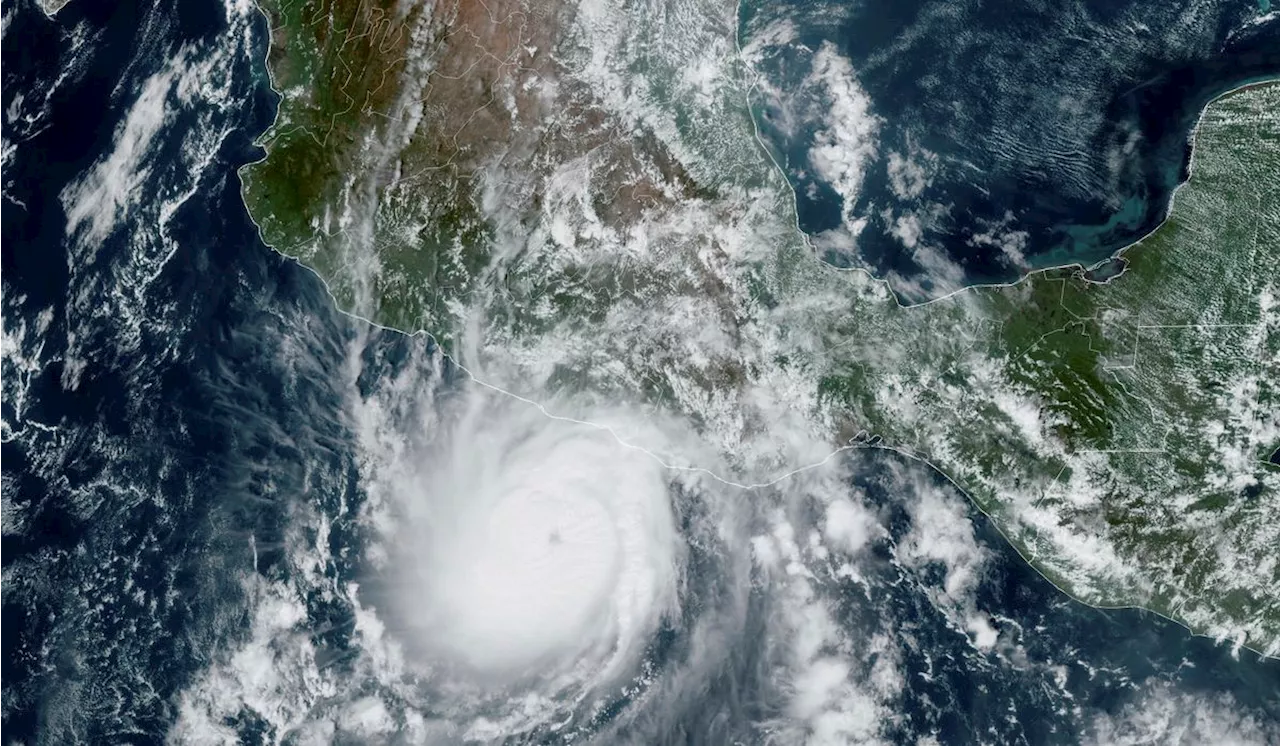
(562, 558)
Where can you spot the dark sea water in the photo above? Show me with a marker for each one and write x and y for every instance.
(172, 399)
(1059, 666)
(1034, 134)
(151, 425)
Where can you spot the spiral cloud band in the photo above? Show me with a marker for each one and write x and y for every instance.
(534, 547)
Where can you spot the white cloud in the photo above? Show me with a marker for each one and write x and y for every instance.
(1011, 243)
(1171, 718)
(907, 229)
(911, 174)
(845, 144)
(103, 198)
(849, 526)
(943, 534)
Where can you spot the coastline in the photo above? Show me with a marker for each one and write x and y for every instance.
(764, 483)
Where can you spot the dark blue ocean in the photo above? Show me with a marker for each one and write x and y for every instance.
(173, 393)
(1001, 136)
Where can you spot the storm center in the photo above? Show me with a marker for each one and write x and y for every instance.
(536, 568)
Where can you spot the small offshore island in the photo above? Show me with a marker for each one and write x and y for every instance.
(500, 193)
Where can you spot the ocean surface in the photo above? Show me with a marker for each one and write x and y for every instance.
(944, 144)
(174, 401)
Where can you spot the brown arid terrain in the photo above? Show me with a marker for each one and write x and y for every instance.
(570, 201)
(388, 117)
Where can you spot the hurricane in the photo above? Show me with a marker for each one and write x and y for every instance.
(528, 542)
(544, 559)
(587, 445)
(527, 547)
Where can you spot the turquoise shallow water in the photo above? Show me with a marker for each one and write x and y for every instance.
(1033, 136)
(201, 429)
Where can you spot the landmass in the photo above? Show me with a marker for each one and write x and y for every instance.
(572, 201)
(399, 127)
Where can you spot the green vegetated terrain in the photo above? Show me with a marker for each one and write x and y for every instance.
(1116, 432)
(350, 154)
(402, 127)
(1119, 432)
(328, 59)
